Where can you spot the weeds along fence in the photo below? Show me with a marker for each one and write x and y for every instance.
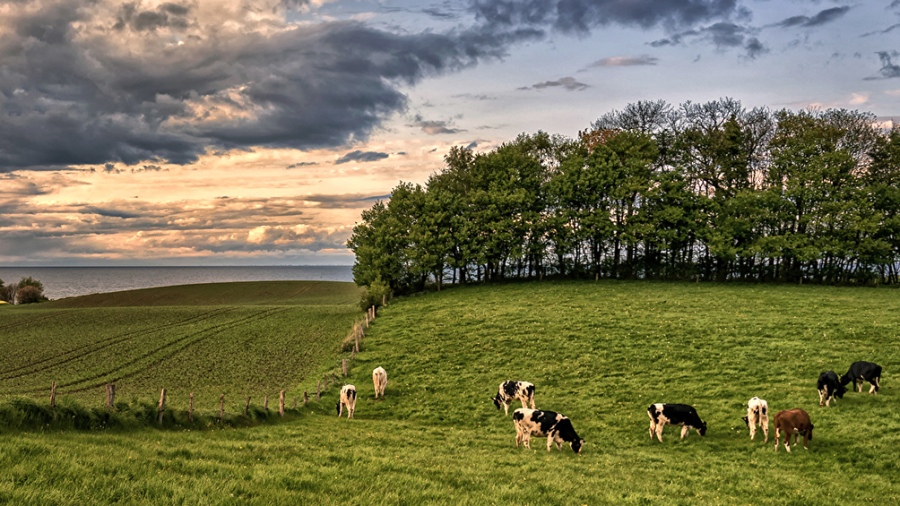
(28, 414)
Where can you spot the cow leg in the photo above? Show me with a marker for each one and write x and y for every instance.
(527, 440)
(777, 436)
(652, 429)
(752, 431)
(549, 441)
(874, 388)
(506, 409)
(859, 385)
(684, 431)
(765, 428)
(821, 397)
(659, 429)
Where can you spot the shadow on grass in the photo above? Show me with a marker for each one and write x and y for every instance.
(26, 415)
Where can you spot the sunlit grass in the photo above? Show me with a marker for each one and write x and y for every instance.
(599, 353)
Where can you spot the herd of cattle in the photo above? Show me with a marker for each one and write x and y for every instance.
(558, 428)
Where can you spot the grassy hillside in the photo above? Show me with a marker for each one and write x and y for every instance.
(239, 339)
(598, 352)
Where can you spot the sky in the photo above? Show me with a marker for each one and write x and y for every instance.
(255, 132)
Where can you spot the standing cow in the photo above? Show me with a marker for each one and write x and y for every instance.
(348, 398)
(511, 390)
(379, 378)
(757, 414)
(863, 371)
(555, 426)
(674, 414)
(793, 422)
(829, 387)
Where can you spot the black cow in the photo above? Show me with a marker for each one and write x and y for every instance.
(674, 414)
(512, 390)
(556, 427)
(829, 387)
(863, 371)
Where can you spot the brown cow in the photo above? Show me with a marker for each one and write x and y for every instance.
(793, 422)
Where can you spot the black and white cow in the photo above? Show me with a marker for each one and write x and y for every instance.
(348, 398)
(511, 390)
(674, 414)
(555, 426)
(863, 371)
(757, 414)
(829, 387)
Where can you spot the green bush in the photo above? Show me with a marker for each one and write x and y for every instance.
(374, 294)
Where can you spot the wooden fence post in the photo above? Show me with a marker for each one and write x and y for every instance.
(344, 366)
(295, 402)
(191, 409)
(162, 404)
(53, 395)
(384, 299)
(110, 395)
(247, 407)
(221, 408)
(266, 404)
(318, 390)
(305, 398)
(281, 403)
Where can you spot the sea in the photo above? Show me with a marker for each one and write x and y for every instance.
(61, 282)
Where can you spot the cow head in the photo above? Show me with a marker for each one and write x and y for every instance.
(702, 429)
(496, 400)
(809, 431)
(746, 420)
(841, 390)
(338, 407)
(845, 380)
(577, 445)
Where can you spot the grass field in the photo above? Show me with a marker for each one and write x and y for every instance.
(598, 352)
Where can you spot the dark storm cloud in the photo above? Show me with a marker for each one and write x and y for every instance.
(568, 83)
(361, 156)
(156, 85)
(823, 17)
(434, 127)
(166, 15)
(721, 35)
(581, 16)
(888, 69)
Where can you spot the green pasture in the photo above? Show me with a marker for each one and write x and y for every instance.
(599, 353)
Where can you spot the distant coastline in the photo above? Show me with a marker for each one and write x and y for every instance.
(61, 282)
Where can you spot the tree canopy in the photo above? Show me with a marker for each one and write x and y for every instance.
(708, 191)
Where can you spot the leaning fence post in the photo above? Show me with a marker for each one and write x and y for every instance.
(191, 409)
(221, 408)
(53, 395)
(281, 403)
(162, 404)
(344, 366)
(318, 390)
(266, 404)
(247, 407)
(305, 398)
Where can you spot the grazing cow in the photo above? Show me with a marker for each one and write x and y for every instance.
(675, 414)
(793, 422)
(511, 390)
(348, 398)
(757, 414)
(379, 377)
(556, 427)
(863, 371)
(829, 387)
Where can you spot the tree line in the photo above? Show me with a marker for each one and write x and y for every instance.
(26, 291)
(711, 192)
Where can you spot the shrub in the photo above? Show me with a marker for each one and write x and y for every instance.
(374, 294)
(29, 294)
